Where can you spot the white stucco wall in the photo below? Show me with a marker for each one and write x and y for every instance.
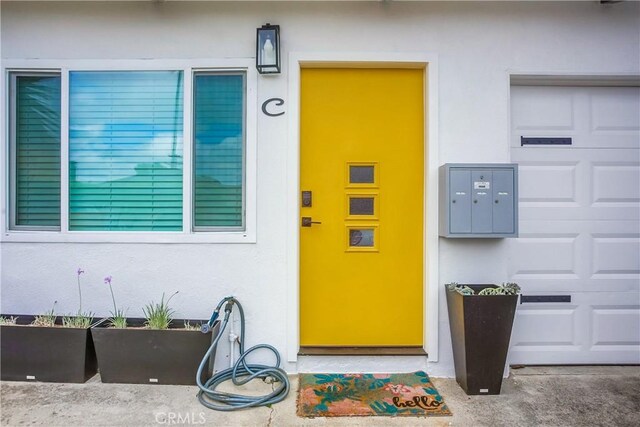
(477, 45)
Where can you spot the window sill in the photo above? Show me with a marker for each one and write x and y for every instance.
(15, 236)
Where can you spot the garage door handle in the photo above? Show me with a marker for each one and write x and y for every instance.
(544, 298)
(307, 221)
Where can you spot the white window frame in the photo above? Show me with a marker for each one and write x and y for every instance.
(187, 235)
(201, 228)
(12, 91)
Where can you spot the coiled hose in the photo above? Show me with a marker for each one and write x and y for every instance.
(241, 373)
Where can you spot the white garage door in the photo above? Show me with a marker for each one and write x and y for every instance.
(579, 224)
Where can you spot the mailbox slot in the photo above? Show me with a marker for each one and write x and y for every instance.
(460, 197)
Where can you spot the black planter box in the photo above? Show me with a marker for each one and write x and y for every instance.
(137, 355)
(49, 354)
(480, 332)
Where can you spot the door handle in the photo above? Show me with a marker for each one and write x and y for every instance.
(306, 221)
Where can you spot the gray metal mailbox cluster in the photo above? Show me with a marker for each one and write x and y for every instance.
(479, 200)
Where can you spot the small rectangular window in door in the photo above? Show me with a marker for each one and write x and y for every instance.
(362, 206)
(362, 238)
(362, 175)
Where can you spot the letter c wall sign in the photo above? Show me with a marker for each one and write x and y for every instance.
(277, 101)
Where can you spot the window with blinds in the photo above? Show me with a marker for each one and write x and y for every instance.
(125, 150)
(219, 140)
(35, 151)
(125, 147)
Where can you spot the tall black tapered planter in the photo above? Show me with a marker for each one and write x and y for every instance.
(480, 333)
(48, 354)
(138, 355)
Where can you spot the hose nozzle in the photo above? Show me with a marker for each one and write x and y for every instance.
(205, 328)
(216, 313)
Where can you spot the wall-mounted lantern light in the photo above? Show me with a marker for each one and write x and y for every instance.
(268, 49)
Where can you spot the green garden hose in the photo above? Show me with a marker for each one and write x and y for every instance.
(241, 373)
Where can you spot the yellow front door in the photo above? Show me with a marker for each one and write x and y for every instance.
(361, 238)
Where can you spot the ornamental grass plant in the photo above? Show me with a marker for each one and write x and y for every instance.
(6, 321)
(159, 315)
(47, 319)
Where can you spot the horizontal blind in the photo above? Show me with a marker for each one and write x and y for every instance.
(125, 150)
(37, 151)
(219, 105)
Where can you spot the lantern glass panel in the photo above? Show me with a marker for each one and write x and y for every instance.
(267, 43)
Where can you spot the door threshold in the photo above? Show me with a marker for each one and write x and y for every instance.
(361, 351)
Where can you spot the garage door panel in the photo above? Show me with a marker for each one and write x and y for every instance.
(616, 255)
(596, 256)
(592, 117)
(614, 118)
(551, 110)
(579, 209)
(615, 326)
(574, 355)
(544, 326)
(595, 327)
(615, 111)
(595, 187)
(548, 284)
(544, 155)
(614, 284)
(603, 139)
(541, 255)
(551, 284)
(548, 184)
(607, 184)
(570, 212)
(599, 228)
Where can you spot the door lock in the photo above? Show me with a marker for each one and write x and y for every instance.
(307, 199)
(306, 221)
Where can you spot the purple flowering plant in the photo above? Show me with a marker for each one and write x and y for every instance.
(118, 318)
(81, 319)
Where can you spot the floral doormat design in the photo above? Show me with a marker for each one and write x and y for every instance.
(345, 395)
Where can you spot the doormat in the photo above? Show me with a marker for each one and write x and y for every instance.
(349, 395)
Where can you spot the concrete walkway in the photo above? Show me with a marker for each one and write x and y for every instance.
(555, 396)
